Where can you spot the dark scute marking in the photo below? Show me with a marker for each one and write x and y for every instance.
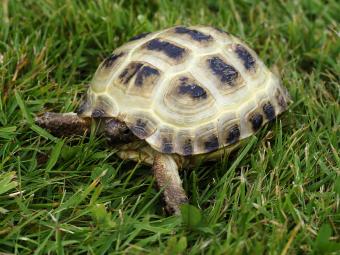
(193, 89)
(221, 31)
(169, 49)
(256, 121)
(108, 62)
(98, 113)
(139, 36)
(245, 56)
(139, 129)
(143, 73)
(269, 111)
(211, 144)
(187, 147)
(129, 72)
(83, 106)
(233, 134)
(226, 73)
(167, 145)
(194, 34)
(281, 100)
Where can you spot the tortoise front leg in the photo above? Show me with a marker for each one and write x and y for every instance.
(68, 124)
(64, 124)
(165, 170)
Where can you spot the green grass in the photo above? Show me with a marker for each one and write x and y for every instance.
(280, 194)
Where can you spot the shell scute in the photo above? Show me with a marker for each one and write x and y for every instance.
(193, 34)
(145, 73)
(141, 124)
(139, 36)
(244, 55)
(206, 138)
(185, 101)
(129, 72)
(138, 78)
(226, 73)
(166, 137)
(186, 90)
(185, 142)
(269, 111)
(233, 134)
(256, 120)
(171, 52)
(222, 74)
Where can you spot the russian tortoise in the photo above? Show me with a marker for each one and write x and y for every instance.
(167, 97)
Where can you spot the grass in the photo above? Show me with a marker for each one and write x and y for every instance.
(280, 194)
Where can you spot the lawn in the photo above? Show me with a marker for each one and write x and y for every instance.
(278, 194)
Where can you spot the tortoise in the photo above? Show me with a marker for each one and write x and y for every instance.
(170, 97)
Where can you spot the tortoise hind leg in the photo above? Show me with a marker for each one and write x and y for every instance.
(165, 170)
(64, 124)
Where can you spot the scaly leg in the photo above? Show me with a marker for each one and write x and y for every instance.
(68, 124)
(64, 124)
(164, 167)
(165, 170)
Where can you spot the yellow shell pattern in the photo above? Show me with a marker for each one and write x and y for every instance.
(186, 90)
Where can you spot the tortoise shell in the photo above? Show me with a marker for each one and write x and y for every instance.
(186, 90)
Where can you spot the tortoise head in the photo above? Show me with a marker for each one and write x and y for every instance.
(117, 131)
